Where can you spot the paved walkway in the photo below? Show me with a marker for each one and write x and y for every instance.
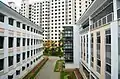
(47, 71)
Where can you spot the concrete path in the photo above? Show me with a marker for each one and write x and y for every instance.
(47, 71)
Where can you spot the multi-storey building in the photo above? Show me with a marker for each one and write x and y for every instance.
(46, 19)
(25, 8)
(71, 46)
(21, 44)
(80, 7)
(57, 18)
(37, 13)
(99, 40)
(53, 14)
(13, 6)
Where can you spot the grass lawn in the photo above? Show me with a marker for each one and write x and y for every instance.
(67, 75)
(58, 66)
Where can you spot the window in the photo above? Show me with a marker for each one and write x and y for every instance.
(28, 40)
(34, 41)
(11, 21)
(31, 62)
(1, 42)
(23, 56)
(23, 26)
(28, 28)
(10, 42)
(1, 17)
(17, 72)
(92, 47)
(28, 53)
(31, 41)
(108, 54)
(23, 41)
(18, 24)
(31, 29)
(1, 64)
(34, 51)
(31, 52)
(10, 60)
(98, 51)
(28, 65)
(18, 42)
(23, 68)
(18, 58)
(10, 76)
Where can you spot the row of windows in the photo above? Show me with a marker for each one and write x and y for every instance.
(18, 40)
(23, 67)
(11, 58)
(98, 52)
(18, 24)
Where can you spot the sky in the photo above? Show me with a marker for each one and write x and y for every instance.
(17, 2)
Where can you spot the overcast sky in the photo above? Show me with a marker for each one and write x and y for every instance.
(17, 2)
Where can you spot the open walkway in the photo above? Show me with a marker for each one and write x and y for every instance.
(47, 71)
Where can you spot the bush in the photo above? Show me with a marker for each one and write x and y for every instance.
(58, 66)
(67, 75)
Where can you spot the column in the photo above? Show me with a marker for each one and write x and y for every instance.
(21, 49)
(5, 54)
(114, 44)
(89, 42)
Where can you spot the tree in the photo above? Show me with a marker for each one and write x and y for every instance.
(60, 48)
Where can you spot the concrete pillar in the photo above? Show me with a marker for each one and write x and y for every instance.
(5, 54)
(14, 51)
(114, 44)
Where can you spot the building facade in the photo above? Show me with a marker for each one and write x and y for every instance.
(46, 19)
(21, 44)
(80, 7)
(71, 46)
(55, 14)
(99, 40)
(14, 6)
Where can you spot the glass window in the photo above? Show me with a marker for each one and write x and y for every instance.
(11, 21)
(31, 41)
(1, 42)
(31, 52)
(18, 42)
(17, 72)
(1, 17)
(108, 54)
(24, 41)
(10, 76)
(28, 65)
(23, 56)
(1, 64)
(28, 41)
(10, 60)
(10, 42)
(18, 58)
(23, 26)
(28, 28)
(23, 68)
(18, 24)
(108, 68)
(28, 53)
